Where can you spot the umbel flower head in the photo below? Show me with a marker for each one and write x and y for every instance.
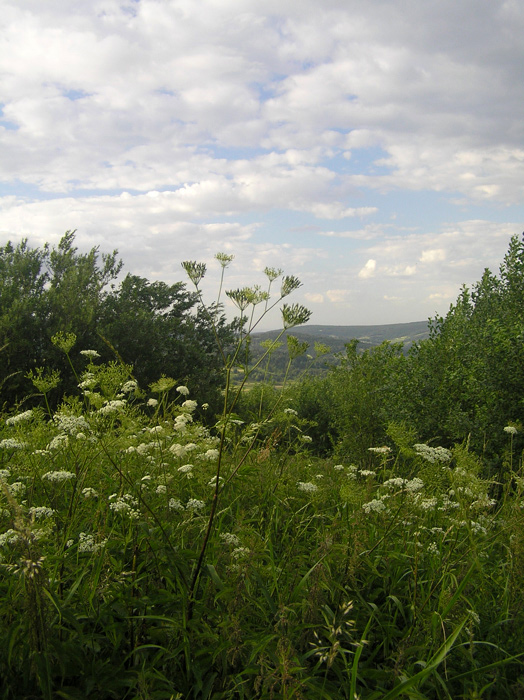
(295, 315)
(195, 271)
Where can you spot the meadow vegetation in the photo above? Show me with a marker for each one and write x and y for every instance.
(358, 534)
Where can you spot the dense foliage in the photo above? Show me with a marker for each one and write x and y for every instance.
(313, 541)
(155, 327)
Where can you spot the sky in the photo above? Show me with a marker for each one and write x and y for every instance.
(372, 148)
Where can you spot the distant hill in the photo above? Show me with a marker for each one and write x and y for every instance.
(336, 337)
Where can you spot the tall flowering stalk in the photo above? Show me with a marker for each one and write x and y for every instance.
(247, 300)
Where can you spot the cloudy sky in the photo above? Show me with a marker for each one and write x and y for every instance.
(373, 148)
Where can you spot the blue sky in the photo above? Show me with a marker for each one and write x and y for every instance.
(373, 148)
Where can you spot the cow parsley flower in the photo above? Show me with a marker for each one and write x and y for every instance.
(195, 505)
(59, 476)
(183, 390)
(89, 353)
(510, 429)
(307, 486)
(20, 418)
(375, 506)
(12, 444)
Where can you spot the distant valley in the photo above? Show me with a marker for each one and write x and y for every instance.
(336, 337)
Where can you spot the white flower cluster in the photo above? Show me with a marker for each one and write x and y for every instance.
(112, 407)
(5, 473)
(240, 552)
(12, 444)
(152, 403)
(89, 492)
(510, 429)
(58, 476)
(86, 543)
(89, 353)
(229, 538)
(20, 418)
(183, 390)
(9, 537)
(433, 454)
(380, 450)
(70, 424)
(291, 411)
(210, 455)
(375, 506)
(129, 387)
(17, 488)
(307, 486)
(178, 450)
(195, 505)
(125, 505)
(40, 512)
(190, 405)
(57, 442)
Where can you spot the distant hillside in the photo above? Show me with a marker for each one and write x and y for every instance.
(336, 337)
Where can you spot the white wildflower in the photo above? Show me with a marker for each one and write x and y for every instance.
(86, 543)
(210, 455)
(195, 505)
(366, 472)
(12, 444)
(375, 506)
(89, 353)
(156, 429)
(40, 512)
(112, 407)
(291, 411)
(17, 488)
(129, 387)
(213, 481)
(58, 442)
(5, 473)
(58, 476)
(240, 552)
(433, 454)
(161, 488)
(177, 450)
(175, 504)
(190, 405)
(414, 485)
(508, 429)
(9, 537)
(229, 538)
(152, 403)
(183, 390)
(89, 492)
(20, 418)
(307, 486)
(70, 424)
(338, 467)
(380, 450)
(185, 468)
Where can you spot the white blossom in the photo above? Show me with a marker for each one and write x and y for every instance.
(58, 476)
(20, 418)
(183, 390)
(307, 486)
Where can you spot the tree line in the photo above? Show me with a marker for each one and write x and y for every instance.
(156, 328)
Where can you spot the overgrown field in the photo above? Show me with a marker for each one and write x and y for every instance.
(400, 577)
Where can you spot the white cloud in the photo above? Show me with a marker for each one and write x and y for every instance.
(337, 296)
(368, 270)
(434, 255)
